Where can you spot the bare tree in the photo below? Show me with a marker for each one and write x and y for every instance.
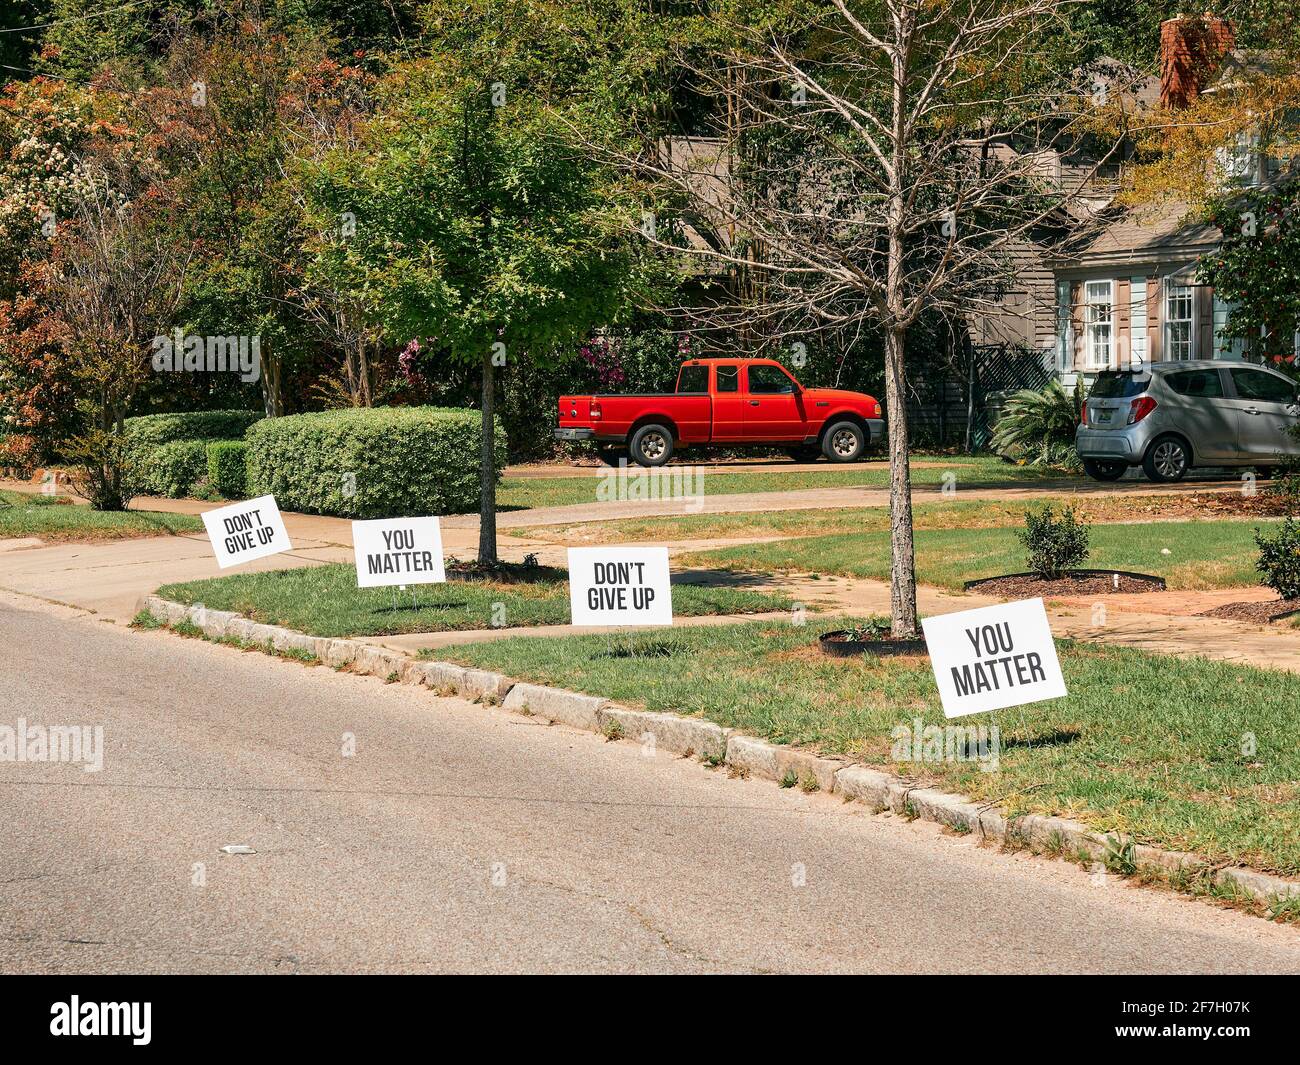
(114, 282)
(878, 161)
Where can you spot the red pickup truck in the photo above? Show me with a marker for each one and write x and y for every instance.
(731, 402)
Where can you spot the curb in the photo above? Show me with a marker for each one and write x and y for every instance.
(747, 755)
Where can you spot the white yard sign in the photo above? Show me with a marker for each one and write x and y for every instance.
(398, 551)
(244, 531)
(993, 657)
(620, 586)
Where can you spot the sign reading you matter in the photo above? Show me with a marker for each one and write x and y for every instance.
(398, 551)
(993, 657)
(620, 586)
(244, 531)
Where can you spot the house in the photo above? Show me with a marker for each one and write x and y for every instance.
(1130, 294)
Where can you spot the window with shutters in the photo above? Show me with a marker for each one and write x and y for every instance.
(1098, 322)
(1179, 323)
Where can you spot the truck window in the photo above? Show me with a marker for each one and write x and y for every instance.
(693, 379)
(728, 378)
(768, 380)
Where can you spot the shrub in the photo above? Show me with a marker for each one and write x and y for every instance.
(1279, 559)
(162, 450)
(226, 468)
(1038, 427)
(155, 429)
(170, 469)
(370, 463)
(1055, 544)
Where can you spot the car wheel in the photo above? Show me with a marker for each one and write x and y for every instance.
(1104, 471)
(804, 454)
(844, 442)
(1167, 460)
(651, 445)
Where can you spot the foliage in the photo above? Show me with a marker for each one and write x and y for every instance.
(45, 125)
(1038, 427)
(167, 453)
(369, 462)
(1055, 544)
(1256, 268)
(151, 430)
(480, 225)
(1279, 559)
(171, 469)
(227, 470)
(36, 399)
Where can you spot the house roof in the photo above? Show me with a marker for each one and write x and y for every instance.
(1162, 234)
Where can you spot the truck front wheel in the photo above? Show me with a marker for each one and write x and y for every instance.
(844, 442)
(651, 445)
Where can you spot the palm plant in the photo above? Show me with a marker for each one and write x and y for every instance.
(1038, 427)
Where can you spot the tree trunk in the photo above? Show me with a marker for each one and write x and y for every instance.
(487, 514)
(272, 400)
(902, 582)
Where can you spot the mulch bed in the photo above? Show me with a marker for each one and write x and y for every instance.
(1258, 613)
(1027, 586)
(843, 643)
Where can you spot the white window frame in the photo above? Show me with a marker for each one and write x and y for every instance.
(1098, 324)
(1179, 292)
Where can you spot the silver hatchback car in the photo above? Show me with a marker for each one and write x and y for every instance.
(1172, 416)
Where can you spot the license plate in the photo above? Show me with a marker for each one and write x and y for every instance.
(1104, 415)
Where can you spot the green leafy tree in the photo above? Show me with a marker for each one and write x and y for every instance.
(1256, 268)
(467, 218)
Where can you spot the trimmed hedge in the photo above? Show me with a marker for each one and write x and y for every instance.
(167, 453)
(155, 429)
(171, 468)
(380, 462)
(227, 473)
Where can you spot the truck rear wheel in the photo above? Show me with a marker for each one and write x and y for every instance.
(651, 445)
(844, 442)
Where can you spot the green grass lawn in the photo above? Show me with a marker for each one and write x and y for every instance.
(1145, 745)
(23, 515)
(954, 514)
(971, 472)
(1201, 554)
(325, 601)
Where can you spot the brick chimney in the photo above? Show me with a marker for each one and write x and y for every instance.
(1191, 49)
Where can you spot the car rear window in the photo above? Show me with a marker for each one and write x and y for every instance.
(693, 379)
(1205, 384)
(1113, 385)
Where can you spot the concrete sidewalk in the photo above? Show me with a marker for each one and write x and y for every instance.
(110, 578)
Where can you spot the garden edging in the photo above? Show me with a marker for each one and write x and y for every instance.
(716, 744)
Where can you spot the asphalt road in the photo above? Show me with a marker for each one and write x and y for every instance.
(467, 839)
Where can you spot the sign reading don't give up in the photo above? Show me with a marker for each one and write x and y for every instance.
(620, 586)
(245, 531)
